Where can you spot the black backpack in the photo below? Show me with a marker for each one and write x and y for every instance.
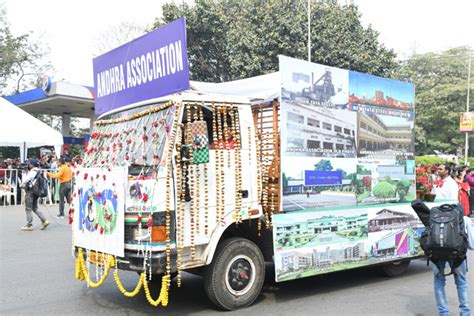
(445, 237)
(40, 185)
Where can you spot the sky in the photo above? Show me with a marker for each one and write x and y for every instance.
(71, 28)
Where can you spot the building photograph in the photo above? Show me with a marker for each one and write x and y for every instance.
(319, 229)
(383, 136)
(365, 89)
(314, 85)
(389, 220)
(294, 264)
(319, 132)
(311, 183)
(397, 243)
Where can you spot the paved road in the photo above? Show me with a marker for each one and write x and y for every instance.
(37, 277)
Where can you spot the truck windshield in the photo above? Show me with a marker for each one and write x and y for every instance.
(133, 137)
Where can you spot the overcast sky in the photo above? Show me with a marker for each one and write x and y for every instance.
(71, 28)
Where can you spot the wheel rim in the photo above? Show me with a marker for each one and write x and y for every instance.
(240, 275)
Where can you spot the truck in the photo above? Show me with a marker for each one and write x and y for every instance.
(195, 182)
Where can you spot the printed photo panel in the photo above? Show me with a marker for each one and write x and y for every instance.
(389, 97)
(311, 183)
(384, 181)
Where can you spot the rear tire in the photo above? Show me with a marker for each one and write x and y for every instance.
(236, 275)
(394, 268)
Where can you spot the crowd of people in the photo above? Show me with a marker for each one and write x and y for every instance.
(455, 183)
(13, 172)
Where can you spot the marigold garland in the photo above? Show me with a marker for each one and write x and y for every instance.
(82, 274)
(123, 290)
(163, 297)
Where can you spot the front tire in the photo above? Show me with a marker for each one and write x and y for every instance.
(235, 277)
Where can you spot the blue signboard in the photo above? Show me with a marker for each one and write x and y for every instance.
(148, 67)
(319, 177)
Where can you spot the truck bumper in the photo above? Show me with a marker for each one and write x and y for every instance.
(134, 262)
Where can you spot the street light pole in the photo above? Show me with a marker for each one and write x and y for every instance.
(309, 30)
(466, 149)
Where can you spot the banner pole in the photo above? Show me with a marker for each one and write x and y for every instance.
(467, 109)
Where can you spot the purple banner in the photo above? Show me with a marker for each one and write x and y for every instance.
(319, 177)
(148, 67)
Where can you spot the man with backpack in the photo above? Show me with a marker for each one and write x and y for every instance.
(32, 184)
(446, 238)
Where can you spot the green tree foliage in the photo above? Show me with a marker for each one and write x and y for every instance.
(22, 60)
(402, 188)
(361, 170)
(323, 165)
(429, 160)
(284, 180)
(441, 90)
(384, 190)
(230, 39)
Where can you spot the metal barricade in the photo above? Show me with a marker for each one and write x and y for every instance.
(9, 186)
(12, 191)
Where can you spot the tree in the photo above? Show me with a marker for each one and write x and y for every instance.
(361, 170)
(402, 188)
(284, 180)
(384, 190)
(441, 92)
(22, 60)
(323, 165)
(117, 35)
(229, 40)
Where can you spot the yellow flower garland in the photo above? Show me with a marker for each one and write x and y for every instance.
(81, 274)
(123, 290)
(163, 298)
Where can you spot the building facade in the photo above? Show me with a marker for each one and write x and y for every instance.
(318, 130)
(388, 220)
(375, 135)
(304, 232)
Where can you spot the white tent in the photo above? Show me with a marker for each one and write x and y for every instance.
(20, 129)
(264, 87)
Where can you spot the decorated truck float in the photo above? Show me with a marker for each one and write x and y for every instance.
(311, 168)
(219, 184)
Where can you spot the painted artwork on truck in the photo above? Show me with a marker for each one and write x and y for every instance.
(311, 183)
(99, 199)
(368, 93)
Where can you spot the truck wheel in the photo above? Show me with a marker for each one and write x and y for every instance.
(235, 277)
(394, 268)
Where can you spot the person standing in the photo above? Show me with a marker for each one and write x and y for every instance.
(445, 186)
(470, 179)
(460, 278)
(463, 193)
(31, 203)
(64, 175)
